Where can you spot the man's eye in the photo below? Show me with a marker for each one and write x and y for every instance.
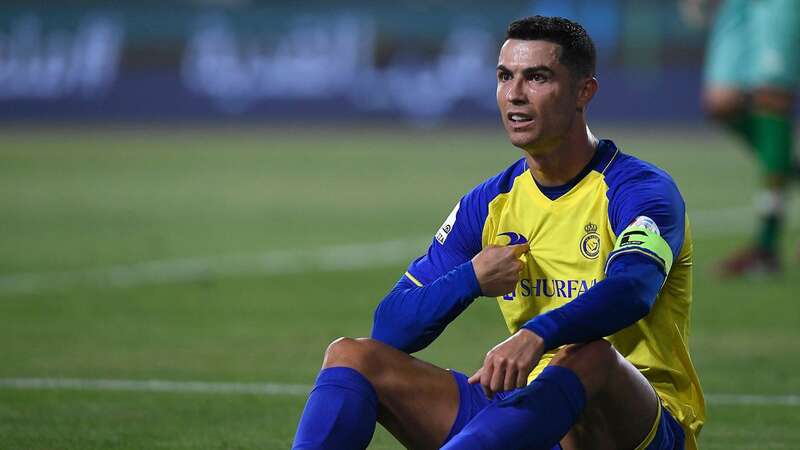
(503, 76)
(537, 77)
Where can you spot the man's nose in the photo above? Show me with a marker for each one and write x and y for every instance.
(516, 93)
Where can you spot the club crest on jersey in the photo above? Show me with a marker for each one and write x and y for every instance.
(514, 238)
(590, 243)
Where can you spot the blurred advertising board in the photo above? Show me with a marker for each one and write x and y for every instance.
(421, 61)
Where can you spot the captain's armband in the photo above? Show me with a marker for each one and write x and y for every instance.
(644, 237)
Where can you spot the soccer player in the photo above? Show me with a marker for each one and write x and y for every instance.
(589, 254)
(752, 69)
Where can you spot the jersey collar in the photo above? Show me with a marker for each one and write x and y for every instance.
(602, 159)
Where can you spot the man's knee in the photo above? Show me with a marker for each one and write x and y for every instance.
(593, 355)
(593, 362)
(358, 354)
(621, 405)
(723, 104)
(773, 100)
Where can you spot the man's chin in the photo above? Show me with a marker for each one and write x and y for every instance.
(533, 147)
(524, 142)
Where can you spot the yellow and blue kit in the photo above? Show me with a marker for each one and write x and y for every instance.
(611, 257)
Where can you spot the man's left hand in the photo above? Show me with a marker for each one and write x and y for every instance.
(508, 364)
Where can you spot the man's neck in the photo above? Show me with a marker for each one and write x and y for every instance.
(565, 160)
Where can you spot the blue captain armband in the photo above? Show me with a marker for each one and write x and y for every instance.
(643, 236)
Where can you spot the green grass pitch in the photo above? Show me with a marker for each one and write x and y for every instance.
(73, 201)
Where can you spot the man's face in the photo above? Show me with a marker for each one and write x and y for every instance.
(536, 94)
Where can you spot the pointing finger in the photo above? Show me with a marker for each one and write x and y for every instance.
(520, 249)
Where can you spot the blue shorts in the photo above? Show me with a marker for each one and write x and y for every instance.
(668, 432)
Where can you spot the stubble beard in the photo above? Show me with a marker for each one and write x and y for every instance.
(535, 142)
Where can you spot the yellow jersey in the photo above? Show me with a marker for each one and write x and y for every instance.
(574, 231)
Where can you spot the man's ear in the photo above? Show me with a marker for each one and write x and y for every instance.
(586, 90)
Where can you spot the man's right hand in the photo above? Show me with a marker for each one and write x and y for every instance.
(498, 268)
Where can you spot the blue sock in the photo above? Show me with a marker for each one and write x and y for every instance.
(537, 417)
(340, 413)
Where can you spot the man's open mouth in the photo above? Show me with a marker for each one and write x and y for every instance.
(519, 117)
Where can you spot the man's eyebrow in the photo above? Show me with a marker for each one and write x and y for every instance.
(540, 68)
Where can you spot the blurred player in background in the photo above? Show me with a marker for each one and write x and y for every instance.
(579, 242)
(752, 70)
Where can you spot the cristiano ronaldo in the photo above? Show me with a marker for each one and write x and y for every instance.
(588, 252)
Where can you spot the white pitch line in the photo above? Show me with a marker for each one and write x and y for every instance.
(276, 262)
(733, 220)
(272, 389)
(718, 222)
(202, 387)
(750, 399)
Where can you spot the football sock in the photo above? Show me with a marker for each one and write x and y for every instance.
(772, 137)
(340, 413)
(768, 232)
(768, 135)
(742, 126)
(535, 418)
(770, 206)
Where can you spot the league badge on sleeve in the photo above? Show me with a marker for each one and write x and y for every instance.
(647, 223)
(447, 226)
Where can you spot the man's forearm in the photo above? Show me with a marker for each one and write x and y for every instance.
(624, 297)
(410, 317)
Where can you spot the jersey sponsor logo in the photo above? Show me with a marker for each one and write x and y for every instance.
(551, 288)
(514, 238)
(448, 225)
(590, 242)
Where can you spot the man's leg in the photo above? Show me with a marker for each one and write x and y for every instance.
(363, 380)
(754, 47)
(729, 106)
(609, 403)
(772, 108)
(764, 122)
(622, 405)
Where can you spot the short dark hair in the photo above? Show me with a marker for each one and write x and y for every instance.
(577, 49)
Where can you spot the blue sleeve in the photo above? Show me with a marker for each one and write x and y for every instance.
(441, 284)
(411, 317)
(455, 242)
(437, 286)
(640, 189)
(626, 295)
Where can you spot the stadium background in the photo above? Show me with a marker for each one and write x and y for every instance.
(197, 196)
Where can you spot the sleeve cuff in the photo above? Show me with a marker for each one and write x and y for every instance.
(469, 280)
(546, 328)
